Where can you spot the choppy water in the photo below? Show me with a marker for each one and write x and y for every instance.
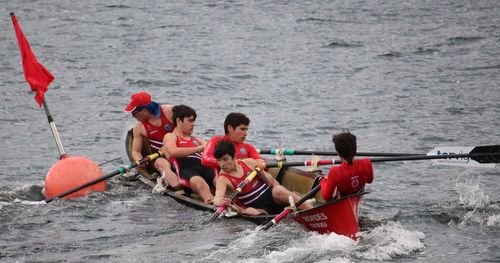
(404, 76)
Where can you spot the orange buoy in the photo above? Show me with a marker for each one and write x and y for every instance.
(71, 172)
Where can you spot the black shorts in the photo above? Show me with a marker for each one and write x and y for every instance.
(191, 166)
(266, 202)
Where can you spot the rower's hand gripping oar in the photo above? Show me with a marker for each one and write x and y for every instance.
(287, 211)
(234, 194)
(120, 170)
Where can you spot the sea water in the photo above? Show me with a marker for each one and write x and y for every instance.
(403, 76)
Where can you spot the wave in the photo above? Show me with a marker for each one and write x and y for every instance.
(342, 44)
(462, 40)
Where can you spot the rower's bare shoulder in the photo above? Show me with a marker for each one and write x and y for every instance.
(167, 108)
(169, 137)
(139, 130)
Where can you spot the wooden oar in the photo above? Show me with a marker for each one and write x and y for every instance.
(234, 194)
(435, 151)
(120, 170)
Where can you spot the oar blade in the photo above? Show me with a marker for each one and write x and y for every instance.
(487, 158)
(469, 161)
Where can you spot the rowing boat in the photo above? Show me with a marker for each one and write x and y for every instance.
(338, 216)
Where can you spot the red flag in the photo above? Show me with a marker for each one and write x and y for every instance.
(35, 73)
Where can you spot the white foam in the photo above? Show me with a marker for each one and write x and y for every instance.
(493, 220)
(388, 241)
(314, 243)
(302, 248)
(471, 193)
(25, 202)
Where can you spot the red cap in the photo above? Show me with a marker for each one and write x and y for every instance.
(138, 99)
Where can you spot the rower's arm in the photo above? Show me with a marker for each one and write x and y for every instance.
(170, 146)
(268, 178)
(207, 157)
(137, 142)
(222, 184)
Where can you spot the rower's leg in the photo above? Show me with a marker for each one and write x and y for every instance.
(199, 186)
(280, 196)
(164, 167)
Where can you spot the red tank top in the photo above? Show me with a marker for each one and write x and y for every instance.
(242, 150)
(155, 134)
(252, 190)
(348, 179)
(191, 142)
(183, 143)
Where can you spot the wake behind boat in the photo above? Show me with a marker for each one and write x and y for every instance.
(339, 216)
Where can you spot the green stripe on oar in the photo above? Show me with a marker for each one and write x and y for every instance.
(435, 151)
(234, 194)
(120, 170)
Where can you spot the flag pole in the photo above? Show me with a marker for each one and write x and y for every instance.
(54, 130)
(38, 77)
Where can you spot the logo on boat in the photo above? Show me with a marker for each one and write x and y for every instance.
(315, 217)
(167, 127)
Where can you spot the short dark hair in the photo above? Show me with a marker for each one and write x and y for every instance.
(345, 145)
(181, 112)
(235, 119)
(224, 147)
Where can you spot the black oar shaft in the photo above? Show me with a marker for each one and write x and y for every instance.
(493, 157)
(76, 189)
(328, 153)
(120, 170)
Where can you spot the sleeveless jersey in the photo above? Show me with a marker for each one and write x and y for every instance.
(178, 163)
(348, 179)
(155, 134)
(242, 150)
(183, 143)
(252, 191)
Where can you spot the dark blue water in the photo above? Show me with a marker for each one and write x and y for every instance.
(404, 76)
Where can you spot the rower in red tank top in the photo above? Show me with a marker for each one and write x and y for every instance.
(155, 134)
(184, 149)
(349, 177)
(249, 196)
(153, 122)
(235, 128)
(264, 195)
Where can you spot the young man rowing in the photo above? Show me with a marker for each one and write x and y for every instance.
(349, 177)
(184, 151)
(264, 195)
(154, 121)
(235, 128)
